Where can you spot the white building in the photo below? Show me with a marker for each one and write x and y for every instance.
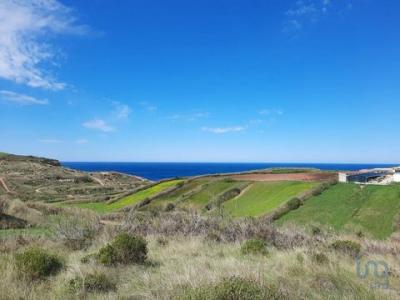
(396, 176)
(342, 177)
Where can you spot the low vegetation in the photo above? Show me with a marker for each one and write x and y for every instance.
(371, 210)
(36, 263)
(124, 249)
(263, 197)
(92, 283)
(254, 246)
(233, 288)
(205, 238)
(103, 207)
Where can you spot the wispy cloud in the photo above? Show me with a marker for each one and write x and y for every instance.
(81, 141)
(268, 112)
(148, 106)
(304, 12)
(121, 111)
(51, 141)
(189, 116)
(24, 48)
(21, 99)
(98, 124)
(222, 130)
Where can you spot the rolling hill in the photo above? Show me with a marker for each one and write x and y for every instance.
(369, 209)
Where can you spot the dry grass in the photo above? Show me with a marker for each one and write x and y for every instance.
(185, 260)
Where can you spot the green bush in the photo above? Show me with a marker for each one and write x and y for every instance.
(316, 230)
(93, 283)
(169, 207)
(320, 258)
(212, 235)
(233, 288)
(254, 246)
(89, 258)
(347, 247)
(125, 249)
(162, 241)
(108, 256)
(36, 263)
(293, 203)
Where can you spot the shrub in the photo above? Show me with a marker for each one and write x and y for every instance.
(316, 230)
(108, 256)
(77, 231)
(92, 283)
(83, 179)
(125, 249)
(233, 288)
(180, 184)
(212, 235)
(162, 241)
(293, 203)
(320, 258)
(169, 207)
(36, 263)
(88, 258)
(254, 246)
(347, 247)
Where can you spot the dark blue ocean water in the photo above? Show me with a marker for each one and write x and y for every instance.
(157, 171)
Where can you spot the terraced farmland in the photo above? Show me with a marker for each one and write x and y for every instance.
(198, 193)
(263, 197)
(372, 209)
(102, 207)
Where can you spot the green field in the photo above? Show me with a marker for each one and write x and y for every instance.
(133, 199)
(181, 193)
(209, 192)
(371, 209)
(198, 193)
(264, 197)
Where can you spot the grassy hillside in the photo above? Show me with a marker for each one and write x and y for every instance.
(198, 193)
(371, 209)
(209, 192)
(102, 207)
(188, 189)
(263, 197)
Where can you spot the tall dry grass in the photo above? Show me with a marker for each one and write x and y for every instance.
(182, 257)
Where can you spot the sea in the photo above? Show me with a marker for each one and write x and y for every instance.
(160, 170)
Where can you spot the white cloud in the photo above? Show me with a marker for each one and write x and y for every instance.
(81, 141)
(221, 130)
(51, 141)
(190, 116)
(121, 111)
(25, 28)
(266, 112)
(148, 106)
(98, 124)
(305, 11)
(21, 99)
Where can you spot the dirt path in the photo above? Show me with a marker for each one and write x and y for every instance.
(285, 177)
(97, 180)
(242, 192)
(111, 223)
(4, 185)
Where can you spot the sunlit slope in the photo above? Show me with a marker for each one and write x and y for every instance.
(198, 193)
(263, 197)
(133, 199)
(369, 209)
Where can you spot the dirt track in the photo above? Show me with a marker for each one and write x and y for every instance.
(4, 185)
(285, 177)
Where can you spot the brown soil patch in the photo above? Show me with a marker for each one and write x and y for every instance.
(285, 177)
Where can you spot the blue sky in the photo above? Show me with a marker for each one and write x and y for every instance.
(166, 80)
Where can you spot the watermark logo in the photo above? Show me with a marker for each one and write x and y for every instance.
(376, 270)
